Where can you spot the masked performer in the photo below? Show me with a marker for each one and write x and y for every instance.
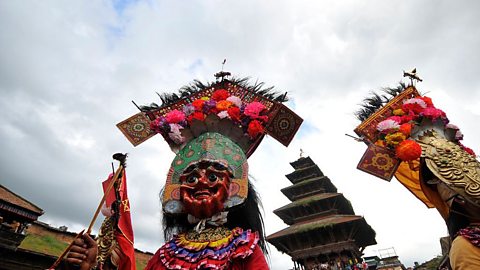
(412, 139)
(211, 212)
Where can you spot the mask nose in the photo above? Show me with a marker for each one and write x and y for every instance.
(203, 180)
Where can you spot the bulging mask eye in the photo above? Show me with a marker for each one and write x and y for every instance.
(192, 179)
(212, 177)
(219, 166)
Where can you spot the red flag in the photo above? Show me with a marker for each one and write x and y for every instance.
(124, 232)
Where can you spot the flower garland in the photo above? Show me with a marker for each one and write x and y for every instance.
(394, 132)
(252, 117)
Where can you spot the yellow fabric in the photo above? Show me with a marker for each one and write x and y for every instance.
(408, 174)
(436, 200)
(184, 242)
(464, 255)
(411, 180)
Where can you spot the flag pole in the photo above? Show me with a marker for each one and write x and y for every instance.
(121, 158)
(57, 262)
(107, 191)
(120, 170)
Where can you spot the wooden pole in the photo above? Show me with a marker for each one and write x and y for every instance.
(57, 262)
(109, 188)
(117, 174)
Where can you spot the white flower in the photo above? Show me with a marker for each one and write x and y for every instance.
(387, 124)
(223, 114)
(235, 100)
(175, 134)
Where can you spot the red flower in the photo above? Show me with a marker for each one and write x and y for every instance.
(412, 107)
(406, 129)
(428, 101)
(255, 128)
(469, 150)
(196, 115)
(234, 113)
(408, 117)
(220, 94)
(408, 150)
(198, 104)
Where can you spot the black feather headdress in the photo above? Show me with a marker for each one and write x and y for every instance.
(187, 91)
(371, 104)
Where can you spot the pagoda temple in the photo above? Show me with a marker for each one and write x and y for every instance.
(323, 228)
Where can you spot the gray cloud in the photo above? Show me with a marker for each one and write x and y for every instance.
(68, 71)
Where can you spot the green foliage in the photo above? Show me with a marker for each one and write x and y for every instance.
(44, 244)
(431, 264)
(141, 264)
(312, 226)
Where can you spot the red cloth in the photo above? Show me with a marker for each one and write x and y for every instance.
(124, 232)
(256, 261)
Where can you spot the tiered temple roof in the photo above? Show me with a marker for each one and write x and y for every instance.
(323, 225)
(15, 215)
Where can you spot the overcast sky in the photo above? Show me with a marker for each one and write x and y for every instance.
(69, 69)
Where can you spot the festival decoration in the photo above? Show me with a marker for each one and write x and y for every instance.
(404, 132)
(115, 241)
(207, 199)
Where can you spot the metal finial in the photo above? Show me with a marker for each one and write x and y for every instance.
(412, 75)
(222, 74)
(301, 153)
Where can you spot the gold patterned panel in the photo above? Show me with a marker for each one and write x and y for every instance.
(136, 128)
(106, 240)
(452, 165)
(368, 128)
(379, 161)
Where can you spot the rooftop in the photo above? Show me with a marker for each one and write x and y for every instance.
(9, 196)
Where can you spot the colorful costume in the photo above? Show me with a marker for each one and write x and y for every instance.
(211, 213)
(408, 137)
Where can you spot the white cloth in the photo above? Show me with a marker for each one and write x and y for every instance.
(216, 220)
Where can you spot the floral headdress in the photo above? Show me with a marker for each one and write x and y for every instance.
(222, 121)
(403, 127)
(397, 125)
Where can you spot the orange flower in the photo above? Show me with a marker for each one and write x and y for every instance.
(408, 150)
(223, 105)
(406, 129)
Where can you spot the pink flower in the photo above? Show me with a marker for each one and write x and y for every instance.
(175, 116)
(433, 113)
(416, 101)
(387, 124)
(175, 133)
(254, 109)
(397, 119)
(458, 135)
(235, 100)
